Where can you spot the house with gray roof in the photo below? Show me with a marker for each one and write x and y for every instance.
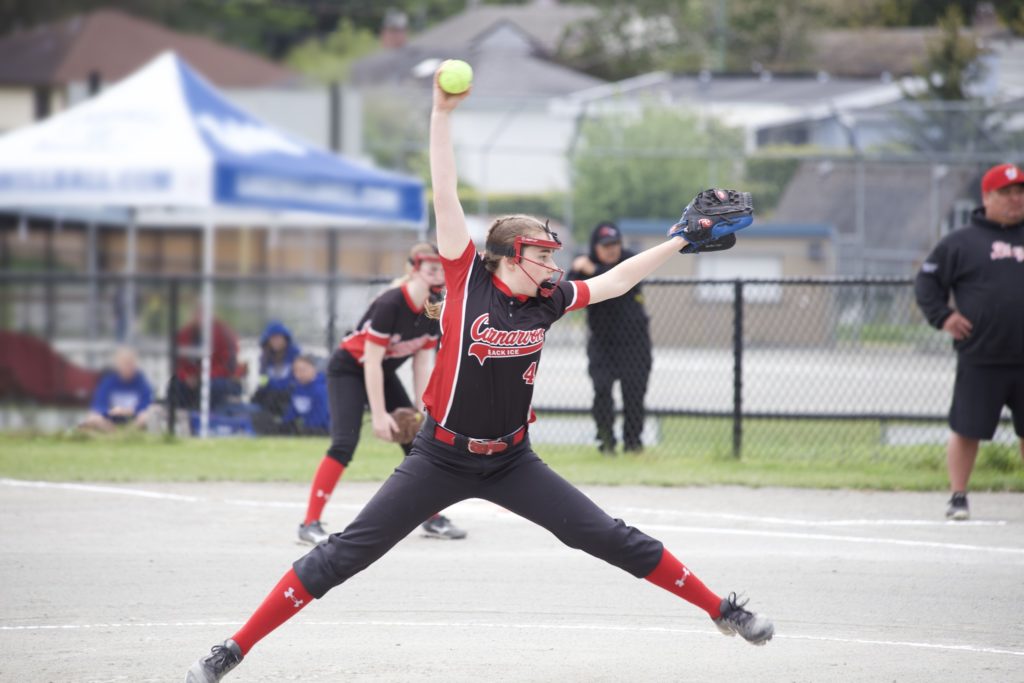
(49, 67)
(887, 215)
(510, 136)
(806, 109)
(511, 49)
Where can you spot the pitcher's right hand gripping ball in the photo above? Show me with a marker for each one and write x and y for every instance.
(710, 221)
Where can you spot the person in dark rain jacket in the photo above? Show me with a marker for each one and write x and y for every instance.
(619, 344)
(982, 266)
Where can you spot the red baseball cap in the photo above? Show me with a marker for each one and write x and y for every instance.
(998, 177)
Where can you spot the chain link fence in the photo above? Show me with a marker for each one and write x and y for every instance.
(826, 368)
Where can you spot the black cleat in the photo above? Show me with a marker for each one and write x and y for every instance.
(211, 668)
(313, 533)
(957, 509)
(440, 526)
(756, 629)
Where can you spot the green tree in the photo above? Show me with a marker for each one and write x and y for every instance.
(272, 27)
(1012, 14)
(330, 59)
(773, 33)
(395, 132)
(952, 62)
(893, 13)
(649, 165)
(626, 39)
(943, 117)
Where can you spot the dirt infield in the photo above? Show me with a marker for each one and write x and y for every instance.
(132, 583)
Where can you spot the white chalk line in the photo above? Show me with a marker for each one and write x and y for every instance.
(297, 505)
(92, 488)
(482, 505)
(832, 537)
(811, 522)
(977, 649)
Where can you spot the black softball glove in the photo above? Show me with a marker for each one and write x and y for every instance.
(710, 221)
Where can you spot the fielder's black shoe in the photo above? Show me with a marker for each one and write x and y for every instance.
(957, 509)
(211, 668)
(756, 629)
(313, 533)
(440, 526)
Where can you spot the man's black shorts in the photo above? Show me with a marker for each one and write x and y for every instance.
(979, 395)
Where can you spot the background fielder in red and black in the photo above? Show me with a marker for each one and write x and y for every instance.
(362, 372)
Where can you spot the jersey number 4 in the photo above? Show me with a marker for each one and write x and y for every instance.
(530, 373)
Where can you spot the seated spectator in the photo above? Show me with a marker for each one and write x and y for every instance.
(308, 412)
(277, 353)
(122, 397)
(186, 384)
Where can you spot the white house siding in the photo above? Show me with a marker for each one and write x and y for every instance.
(514, 147)
(16, 108)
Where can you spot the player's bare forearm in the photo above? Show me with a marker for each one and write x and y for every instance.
(452, 234)
(627, 274)
(373, 377)
(421, 366)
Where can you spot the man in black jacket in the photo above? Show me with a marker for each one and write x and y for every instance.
(619, 347)
(983, 266)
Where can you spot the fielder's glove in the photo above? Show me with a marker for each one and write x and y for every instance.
(409, 421)
(710, 221)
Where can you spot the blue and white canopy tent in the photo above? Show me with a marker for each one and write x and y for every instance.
(163, 147)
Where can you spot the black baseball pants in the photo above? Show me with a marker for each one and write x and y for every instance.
(346, 395)
(630, 364)
(435, 476)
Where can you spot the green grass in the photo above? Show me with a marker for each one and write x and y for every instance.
(884, 333)
(692, 452)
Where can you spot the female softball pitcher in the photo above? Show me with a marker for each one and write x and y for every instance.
(474, 442)
(362, 371)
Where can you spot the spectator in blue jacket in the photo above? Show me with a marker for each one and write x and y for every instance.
(122, 397)
(308, 411)
(277, 353)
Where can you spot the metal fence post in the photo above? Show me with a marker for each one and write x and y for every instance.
(332, 288)
(172, 324)
(737, 369)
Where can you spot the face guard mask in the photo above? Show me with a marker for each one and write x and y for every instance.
(419, 259)
(547, 287)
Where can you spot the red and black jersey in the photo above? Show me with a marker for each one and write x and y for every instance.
(395, 322)
(491, 339)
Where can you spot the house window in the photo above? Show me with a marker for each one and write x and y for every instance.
(721, 267)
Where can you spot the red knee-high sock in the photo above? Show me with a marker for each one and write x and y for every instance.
(284, 602)
(327, 476)
(671, 575)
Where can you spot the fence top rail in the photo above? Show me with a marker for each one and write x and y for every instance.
(26, 277)
(819, 280)
(190, 279)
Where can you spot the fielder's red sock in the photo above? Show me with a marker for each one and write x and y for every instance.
(284, 602)
(327, 476)
(671, 575)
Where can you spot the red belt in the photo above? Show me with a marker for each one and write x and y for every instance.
(478, 446)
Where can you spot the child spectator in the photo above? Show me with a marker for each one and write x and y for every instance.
(277, 353)
(308, 412)
(123, 395)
